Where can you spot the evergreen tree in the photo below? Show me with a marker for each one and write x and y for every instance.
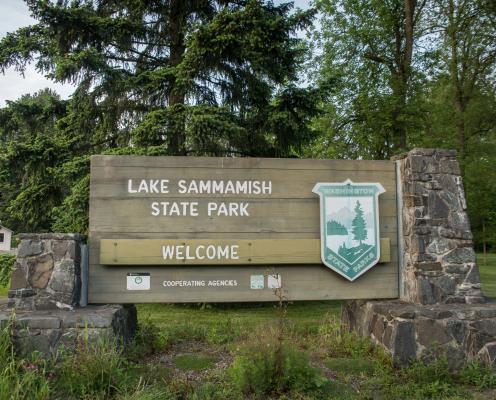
(359, 226)
(29, 152)
(191, 77)
(152, 78)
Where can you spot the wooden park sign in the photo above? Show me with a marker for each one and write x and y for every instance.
(196, 229)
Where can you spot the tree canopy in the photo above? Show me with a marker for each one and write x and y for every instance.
(153, 77)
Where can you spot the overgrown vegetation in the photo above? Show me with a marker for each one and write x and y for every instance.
(6, 267)
(234, 352)
(238, 351)
(25, 378)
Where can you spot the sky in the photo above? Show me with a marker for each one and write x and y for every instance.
(15, 14)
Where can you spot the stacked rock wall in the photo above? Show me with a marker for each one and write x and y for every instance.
(44, 296)
(438, 312)
(47, 331)
(460, 332)
(439, 263)
(47, 273)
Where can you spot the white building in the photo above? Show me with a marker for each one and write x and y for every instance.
(5, 237)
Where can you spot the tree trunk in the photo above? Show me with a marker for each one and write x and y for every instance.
(459, 97)
(177, 95)
(484, 241)
(401, 79)
(460, 128)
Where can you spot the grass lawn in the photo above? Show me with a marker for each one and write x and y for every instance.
(488, 274)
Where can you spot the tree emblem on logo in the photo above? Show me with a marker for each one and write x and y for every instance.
(349, 214)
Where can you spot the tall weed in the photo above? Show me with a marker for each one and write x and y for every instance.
(20, 379)
(94, 371)
(339, 342)
(269, 363)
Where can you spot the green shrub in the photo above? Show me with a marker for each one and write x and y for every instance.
(425, 373)
(156, 392)
(95, 371)
(7, 262)
(478, 375)
(343, 344)
(267, 367)
(20, 379)
(149, 339)
(222, 332)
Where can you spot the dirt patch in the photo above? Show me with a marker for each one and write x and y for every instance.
(221, 360)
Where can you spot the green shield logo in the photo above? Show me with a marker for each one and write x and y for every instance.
(349, 226)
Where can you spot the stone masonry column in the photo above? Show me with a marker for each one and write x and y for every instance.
(45, 293)
(441, 310)
(439, 264)
(47, 272)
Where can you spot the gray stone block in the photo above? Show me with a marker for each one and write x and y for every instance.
(458, 331)
(40, 270)
(46, 331)
(473, 276)
(461, 255)
(39, 321)
(18, 278)
(440, 245)
(21, 293)
(425, 294)
(487, 354)
(431, 333)
(59, 249)
(404, 345)
(456, 268)
(449, 167)
(428, 266)
(63, 278)
(28, 248)
(445, 284)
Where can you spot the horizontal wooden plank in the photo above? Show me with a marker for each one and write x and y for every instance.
(207, 252)
(107, 182)
(95, 238)
(303, 215)
(309, 282)
(233, 163)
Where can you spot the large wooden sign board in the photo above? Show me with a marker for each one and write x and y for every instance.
(198, 229)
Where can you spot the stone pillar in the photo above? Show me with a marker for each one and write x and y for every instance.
(47, 273)
(439, 263)
(45, 292)
(436, 312)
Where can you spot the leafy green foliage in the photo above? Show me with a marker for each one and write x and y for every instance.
(367, 52)
(7, 262)
(410, 74)
(257, 372)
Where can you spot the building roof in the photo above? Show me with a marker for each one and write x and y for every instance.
(5, 228)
